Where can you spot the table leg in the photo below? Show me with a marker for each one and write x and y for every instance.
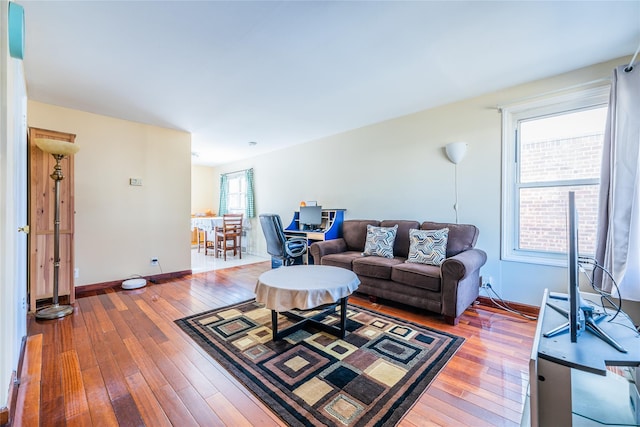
(339, 331)
(205, 241)
(343, 317)
(274, 324)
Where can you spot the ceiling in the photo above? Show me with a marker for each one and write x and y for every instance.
(280, 73)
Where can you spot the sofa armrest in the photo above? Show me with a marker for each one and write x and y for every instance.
(461, 282)
(465, 263)
(320, 249)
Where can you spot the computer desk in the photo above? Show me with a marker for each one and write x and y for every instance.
(569, 382)
(331, 228)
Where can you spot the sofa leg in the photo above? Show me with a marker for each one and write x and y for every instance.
(373, 299)
(451, 320)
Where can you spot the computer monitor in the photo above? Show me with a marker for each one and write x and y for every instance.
(580, 315)
(310, 216)
(576, 316)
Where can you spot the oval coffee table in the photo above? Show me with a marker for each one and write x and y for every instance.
(306, 287)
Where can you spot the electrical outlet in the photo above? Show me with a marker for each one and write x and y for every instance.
(154, 261)
(485, 280)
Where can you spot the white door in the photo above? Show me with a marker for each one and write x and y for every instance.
(20, 197)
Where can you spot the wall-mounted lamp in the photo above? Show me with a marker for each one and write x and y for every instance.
(456, 152)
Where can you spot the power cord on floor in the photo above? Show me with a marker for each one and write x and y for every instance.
(502, 304)
(149, 279)
(152, 280)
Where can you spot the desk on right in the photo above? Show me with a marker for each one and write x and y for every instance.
(570, 383)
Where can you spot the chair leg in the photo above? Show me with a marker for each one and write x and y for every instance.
(223, 249)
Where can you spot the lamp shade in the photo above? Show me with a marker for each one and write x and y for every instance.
(54, 146)
(456, 151)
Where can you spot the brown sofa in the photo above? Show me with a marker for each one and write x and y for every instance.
(447, 289)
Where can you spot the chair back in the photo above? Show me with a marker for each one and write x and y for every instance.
(232, 224)
(274, 234)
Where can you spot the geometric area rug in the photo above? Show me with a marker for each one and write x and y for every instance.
(372, 377)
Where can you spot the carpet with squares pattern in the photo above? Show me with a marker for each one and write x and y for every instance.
(372, 377)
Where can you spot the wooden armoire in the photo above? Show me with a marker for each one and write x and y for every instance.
(41, 216)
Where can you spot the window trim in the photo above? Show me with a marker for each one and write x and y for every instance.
(511, 115)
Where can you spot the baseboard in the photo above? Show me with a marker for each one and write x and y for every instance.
(7, 413)
(89, 289)
(530, 310)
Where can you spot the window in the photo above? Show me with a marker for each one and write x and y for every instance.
(551, 147)
(237, 193)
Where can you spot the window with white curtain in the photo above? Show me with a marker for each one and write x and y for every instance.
(551, 146)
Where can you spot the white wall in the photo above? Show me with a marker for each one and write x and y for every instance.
(119, 227)
(204, 184)
(397, 169)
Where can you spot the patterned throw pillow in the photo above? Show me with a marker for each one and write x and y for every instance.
(428, 246)
(380, 241)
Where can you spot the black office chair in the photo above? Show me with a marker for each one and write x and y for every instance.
(278, 246)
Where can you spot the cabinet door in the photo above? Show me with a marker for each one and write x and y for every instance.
(41, 218)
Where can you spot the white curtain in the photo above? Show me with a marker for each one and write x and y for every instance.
(618, 237)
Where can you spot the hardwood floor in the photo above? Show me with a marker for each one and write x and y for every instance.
(121, 360)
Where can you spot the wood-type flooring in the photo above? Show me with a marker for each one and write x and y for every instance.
(119, 359)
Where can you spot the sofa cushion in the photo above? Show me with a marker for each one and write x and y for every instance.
(428, 246)
(375, 266)
(401, 245)
(462, 237)
(417, 275)
(343, 259)
(354, 233)
(380, 241)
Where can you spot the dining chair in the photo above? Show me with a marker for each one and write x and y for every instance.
(229, 236)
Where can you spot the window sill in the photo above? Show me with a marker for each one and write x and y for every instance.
(552, 260)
